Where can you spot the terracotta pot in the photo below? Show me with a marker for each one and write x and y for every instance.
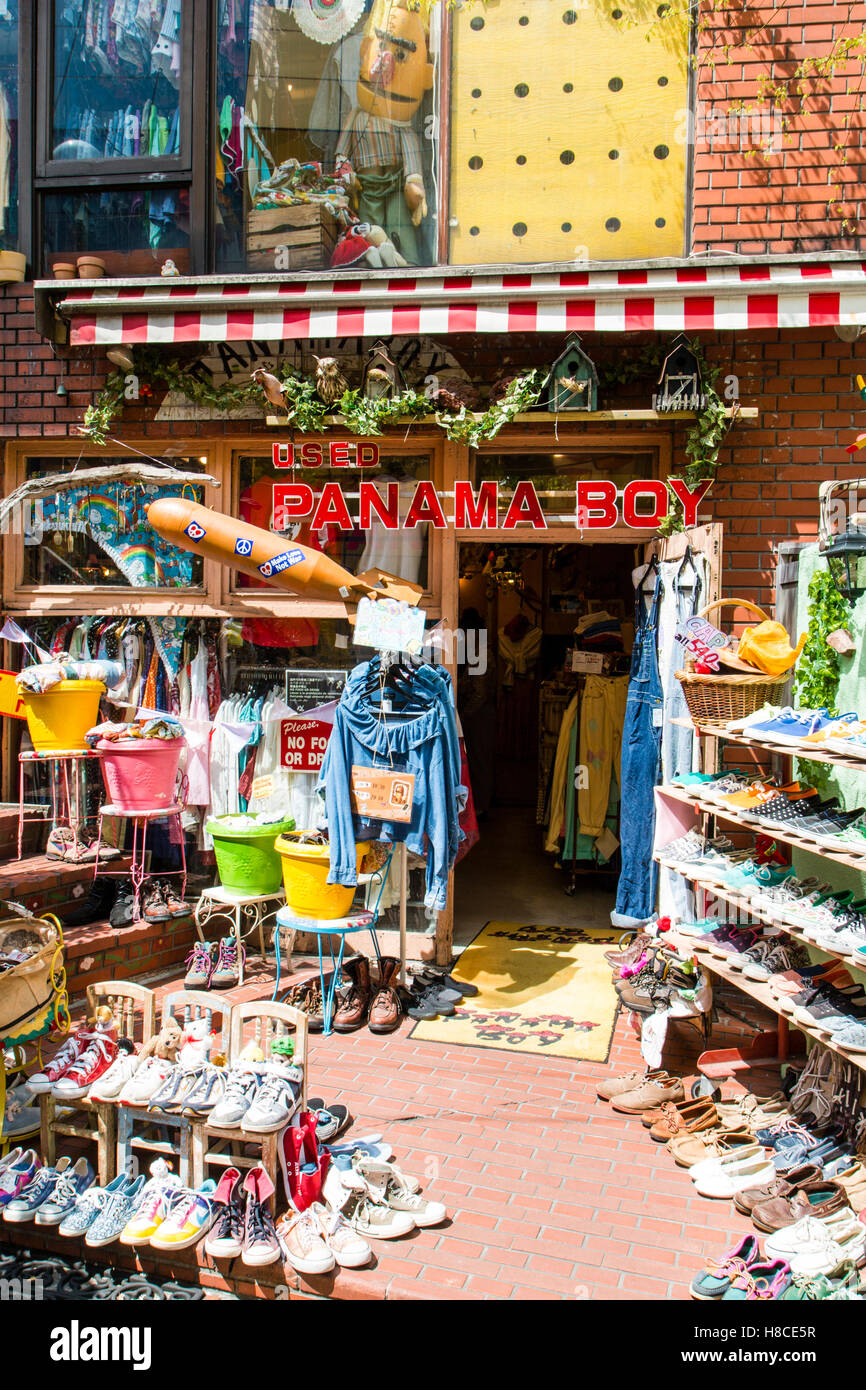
(90, 267)
(63, 271)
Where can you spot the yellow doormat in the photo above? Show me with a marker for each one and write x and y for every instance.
(546, 990)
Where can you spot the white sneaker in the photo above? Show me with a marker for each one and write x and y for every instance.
(146, 1081)
(242, 1084)
(348, 1248)
(112, 1082)
(306, 1249)
(275, 1102)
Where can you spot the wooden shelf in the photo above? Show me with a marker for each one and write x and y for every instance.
(761, 993)
(815, 755)
(699, 803)
(541, 417)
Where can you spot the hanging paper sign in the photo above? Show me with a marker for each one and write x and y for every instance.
(703, 650)
(11, 703)
(303, 743)
(701, 629)
(389, 625)
(379, 794)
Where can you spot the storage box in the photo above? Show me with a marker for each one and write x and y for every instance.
(308, 231)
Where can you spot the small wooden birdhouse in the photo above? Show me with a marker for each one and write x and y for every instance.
(680, 385)
(381, 378)
(573, 380)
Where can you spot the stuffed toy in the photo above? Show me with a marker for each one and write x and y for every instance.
(195, 1042)
(166, 1043)
(380, 144)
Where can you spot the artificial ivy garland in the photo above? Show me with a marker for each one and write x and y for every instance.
(816, 681)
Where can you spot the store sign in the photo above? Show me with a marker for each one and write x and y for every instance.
(303, 743)
(11, 703)
(335, 453)
(599, 505)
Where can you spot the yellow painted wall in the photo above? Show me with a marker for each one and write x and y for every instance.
(543, 93)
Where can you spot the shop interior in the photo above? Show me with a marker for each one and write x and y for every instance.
(545, 617)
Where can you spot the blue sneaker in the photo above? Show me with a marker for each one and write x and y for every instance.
(742, 875)
(40, 1187)
(115, 1213)
(66, 1193)
(792, 726)
(89, 1205)
(16, 1171)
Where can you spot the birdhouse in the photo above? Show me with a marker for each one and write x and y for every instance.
(680, 386)
(573, 380)
(381, 378)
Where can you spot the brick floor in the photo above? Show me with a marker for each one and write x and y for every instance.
(551, 1194)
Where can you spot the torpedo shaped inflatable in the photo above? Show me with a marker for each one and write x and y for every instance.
(264, 555)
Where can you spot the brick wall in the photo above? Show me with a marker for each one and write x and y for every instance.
(785, 201)
(800, 380)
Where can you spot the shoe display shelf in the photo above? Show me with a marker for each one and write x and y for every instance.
(258, 1023)
(68, 804)
(800, 750)
(141, 819)
(248, 913)
(133, 1008)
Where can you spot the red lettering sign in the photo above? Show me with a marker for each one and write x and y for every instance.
(303, 743)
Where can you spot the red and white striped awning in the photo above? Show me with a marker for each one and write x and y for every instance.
(669, 298)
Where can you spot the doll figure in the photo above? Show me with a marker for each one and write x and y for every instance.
(379, 142)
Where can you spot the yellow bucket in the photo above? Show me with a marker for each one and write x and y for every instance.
(59, 719)
(305, 873)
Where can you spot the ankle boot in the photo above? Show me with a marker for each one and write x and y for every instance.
(352, 1013)
(96, 905)
(385, 1010)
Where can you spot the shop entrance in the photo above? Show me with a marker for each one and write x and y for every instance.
(538, 620)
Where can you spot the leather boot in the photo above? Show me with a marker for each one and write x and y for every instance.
(385, 1010)
(352, 1013)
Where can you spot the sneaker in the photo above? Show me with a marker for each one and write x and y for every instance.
(226, 972)
(191, 1216)
(20, 1117)
(206, 1094)
(791, 726)
(71, 1050)
(67, 1191)
(261, 1242)
(17, 1171)
(386, 1186)
(123, 1068)
(306, 1249)
(59, 841)
(349, 1249)
(199, 966)
(774, 961)
(146, 1081)
(225, 1239)
(23, 1205)
(275, 1101)
(156, 1198)
(89, 1205)
(851, 840)
(372, 1221)
(115, 1212)
(242, 1083)
(93, 1063)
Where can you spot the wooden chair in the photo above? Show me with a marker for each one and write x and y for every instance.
(260, 1022)
(166, 1134)
(133, 1009)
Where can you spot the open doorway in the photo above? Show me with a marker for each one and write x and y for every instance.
(548, 618)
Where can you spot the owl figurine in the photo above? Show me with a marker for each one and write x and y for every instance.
(330, 382)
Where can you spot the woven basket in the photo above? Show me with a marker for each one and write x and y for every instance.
(719, 699)
(28, 989)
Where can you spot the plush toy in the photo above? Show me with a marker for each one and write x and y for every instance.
(166, 1043)
(379, 142)
(196, 1042)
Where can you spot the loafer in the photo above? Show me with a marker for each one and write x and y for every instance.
(619, 1085)
(782, 1186)
(650, 1095)
(687, 1150)
(764, 1281)
(697, 1118)
(817, 1199)
(715, 1278)
(733, 1173)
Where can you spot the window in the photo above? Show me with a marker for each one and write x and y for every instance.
(325, 121)
(555, 476)
(8, 126)
(98, 535)
(133, 231)
(401, 551)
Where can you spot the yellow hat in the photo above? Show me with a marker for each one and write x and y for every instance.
(767, 647)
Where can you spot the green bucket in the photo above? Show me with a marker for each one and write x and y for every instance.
(246, 859)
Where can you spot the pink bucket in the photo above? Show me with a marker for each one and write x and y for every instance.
(140, 773)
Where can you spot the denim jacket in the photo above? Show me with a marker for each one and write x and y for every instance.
(424, 743)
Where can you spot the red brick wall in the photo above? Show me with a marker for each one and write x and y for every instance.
(743, 201)
(801, 382)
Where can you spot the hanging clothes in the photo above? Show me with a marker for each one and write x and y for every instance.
(641, 764)
(602, 717)
(198, 730)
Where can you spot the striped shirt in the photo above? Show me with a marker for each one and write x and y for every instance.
(373, 141)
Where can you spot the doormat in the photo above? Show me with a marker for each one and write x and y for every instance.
(546, 990)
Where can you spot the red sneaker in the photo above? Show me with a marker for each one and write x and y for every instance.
(96, 1059)
(71, 1050)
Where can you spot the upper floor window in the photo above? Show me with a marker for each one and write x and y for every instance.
(9, 85)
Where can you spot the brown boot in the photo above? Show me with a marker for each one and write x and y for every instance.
(385, 1010)
(352, 1013)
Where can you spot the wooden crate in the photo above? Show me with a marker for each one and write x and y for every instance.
(308, 231)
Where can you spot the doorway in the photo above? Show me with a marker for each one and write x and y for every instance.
(538, 619)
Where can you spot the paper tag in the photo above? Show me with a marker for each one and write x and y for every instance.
(263, 787)
(658, 717)
(379, 794)
(587, 661)
(704, 631)
(389, 625)
(607, 844)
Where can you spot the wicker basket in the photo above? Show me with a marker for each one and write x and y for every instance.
(719, 699)
(28, 991)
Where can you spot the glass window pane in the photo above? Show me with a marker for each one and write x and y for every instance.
(555, 476)
(9, 126)
(402, 551)
(100, 534)
(325, 122)
(134, 231)
(567, 132)
(117, 74)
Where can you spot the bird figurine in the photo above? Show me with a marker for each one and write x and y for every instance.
(330, 382)
(271, 387)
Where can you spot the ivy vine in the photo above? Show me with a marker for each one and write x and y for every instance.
(816, 679)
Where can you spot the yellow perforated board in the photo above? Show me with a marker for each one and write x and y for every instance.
(567, 126)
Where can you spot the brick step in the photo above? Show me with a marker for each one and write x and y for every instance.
(33, 838)
(49, 885)
(103, 952)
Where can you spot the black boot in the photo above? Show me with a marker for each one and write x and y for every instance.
(96, 905)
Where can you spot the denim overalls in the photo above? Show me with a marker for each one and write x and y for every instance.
(641, 768)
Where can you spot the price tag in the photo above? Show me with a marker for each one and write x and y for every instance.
(379, 794)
